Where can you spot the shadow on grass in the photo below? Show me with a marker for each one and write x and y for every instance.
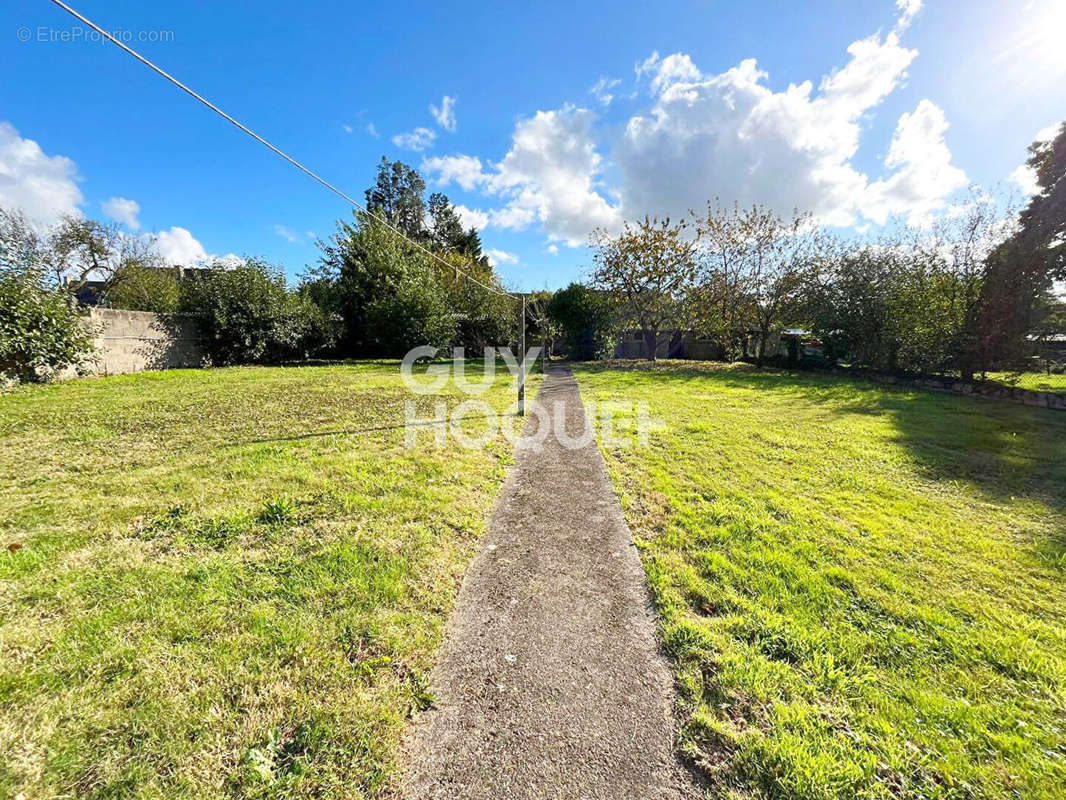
(1004, 450)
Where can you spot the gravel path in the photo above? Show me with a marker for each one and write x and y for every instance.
(551, 684)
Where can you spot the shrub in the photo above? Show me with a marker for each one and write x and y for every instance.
(40, 333)
(387, 291)
(248, 316)
(586, 319)
(414, 313)
(139, 288)
(482, 317)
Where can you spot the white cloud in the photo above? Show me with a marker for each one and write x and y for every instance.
(373, 131)
(729, 135)
(601, 90)
(228, 261)
(513, 217)
(1048, 133)
(908, 10)
(418, 139)
(123, 210)
(287, 233)
(1024, 176)
(445, 115)
(924, 174)
(43, 187)
(553, 249)
(347, 128)
(463, 170)
(549, 174)
(179, 246)
(675, 68)
(472, 217)
(497, 257)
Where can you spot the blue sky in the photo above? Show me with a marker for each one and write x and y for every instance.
(906, 104)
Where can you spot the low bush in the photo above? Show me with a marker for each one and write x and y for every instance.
(248, 316)
(40, 333)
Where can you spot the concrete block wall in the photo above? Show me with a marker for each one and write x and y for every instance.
(135, 341)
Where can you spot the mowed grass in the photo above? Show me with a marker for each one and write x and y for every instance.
(1033, 381)
(231, 582)
(862, 588)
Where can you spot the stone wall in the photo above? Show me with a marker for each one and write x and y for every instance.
(135, 341)
(994, 391)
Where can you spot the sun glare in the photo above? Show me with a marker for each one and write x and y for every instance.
(1037, 49)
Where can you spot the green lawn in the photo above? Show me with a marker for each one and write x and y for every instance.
(230, 584)
(1034, 381)
(863, 588)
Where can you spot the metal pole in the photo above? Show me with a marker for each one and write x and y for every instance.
(522, 364)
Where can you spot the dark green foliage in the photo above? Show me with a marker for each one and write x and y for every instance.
(447, 233)
(397, 197)
(40, 331)
(893, 312)
(482, 318)
(1024, 267)
(390, 293)
(1043, 222)
(908, 304)
(586, 320)
(248, 316)
(384, 289)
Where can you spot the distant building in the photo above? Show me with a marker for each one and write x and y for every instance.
(789, 343)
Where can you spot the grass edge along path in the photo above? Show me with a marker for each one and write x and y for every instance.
(862, 588)
(232, 582)
(551, 683)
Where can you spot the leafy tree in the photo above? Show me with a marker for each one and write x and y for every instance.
(541, 329)
(397, 196)
(1023, 267)
(385, 289)
(40, 333)
(756, 269)
(718, 303)
(852, 309)
(1042, 236)
(80, 249)
(248, 316)
(482, 317)
(137, 287)
(372, 277)
(447, 234)
(910, 302)
(955, 254)
(1050, 324)
(648, 268)
(586, 320)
